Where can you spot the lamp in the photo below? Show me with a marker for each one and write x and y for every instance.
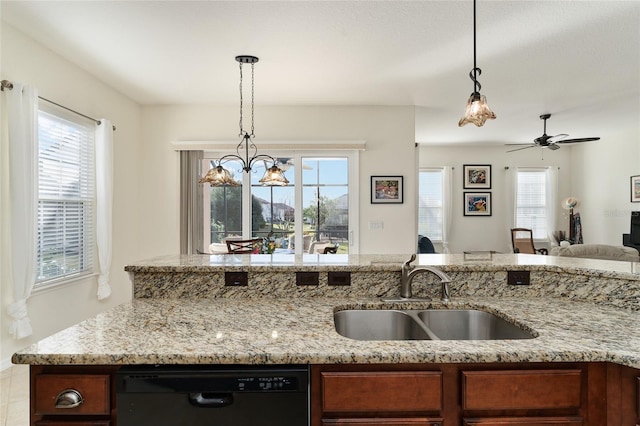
(570, 203)
(477, 110)
(218, 175)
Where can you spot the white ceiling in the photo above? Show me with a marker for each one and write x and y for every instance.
(579, 60)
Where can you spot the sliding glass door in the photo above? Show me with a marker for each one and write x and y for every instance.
(315, 211)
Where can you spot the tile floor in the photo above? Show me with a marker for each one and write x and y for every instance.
(14, 396)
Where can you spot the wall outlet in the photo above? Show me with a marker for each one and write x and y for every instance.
(376, 225)
(236, 279)
(339, 278)
(518, 277)
(307, 278)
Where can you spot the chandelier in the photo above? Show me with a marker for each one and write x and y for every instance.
(218, 175)
(477, 110)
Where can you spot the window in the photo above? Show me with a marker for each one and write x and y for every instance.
(65, 245)
(315, 206)
(430, 203)
(531, 201)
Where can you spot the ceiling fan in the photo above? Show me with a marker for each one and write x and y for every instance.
(551, 142)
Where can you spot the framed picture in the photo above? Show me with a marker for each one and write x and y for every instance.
(477, 204)
(635, 189)
(477, 176)
(387, 190)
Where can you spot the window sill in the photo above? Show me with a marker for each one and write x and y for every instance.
(59, 283)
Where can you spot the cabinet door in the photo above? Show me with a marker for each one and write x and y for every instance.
(389, 392)
(382, 422)
(524, 421)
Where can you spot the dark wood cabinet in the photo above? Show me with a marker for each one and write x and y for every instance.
(549, 394)
(72, 395)
(518, 394)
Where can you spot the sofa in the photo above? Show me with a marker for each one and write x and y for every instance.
(598, 251)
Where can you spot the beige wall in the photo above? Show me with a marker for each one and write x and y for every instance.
(492, 233)
(28, 62)
(388, 132)
(602, 184)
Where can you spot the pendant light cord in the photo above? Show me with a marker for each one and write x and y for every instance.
(475, 72)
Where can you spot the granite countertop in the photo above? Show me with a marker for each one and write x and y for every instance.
(475, 261)
(301, 330)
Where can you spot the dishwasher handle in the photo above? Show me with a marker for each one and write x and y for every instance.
(211, 400)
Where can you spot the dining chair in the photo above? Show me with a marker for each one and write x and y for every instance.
(243, 246)
(522, 242)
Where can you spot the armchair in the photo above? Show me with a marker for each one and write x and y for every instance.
(522, 242)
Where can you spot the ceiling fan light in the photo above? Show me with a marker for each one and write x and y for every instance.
(274, 176)
(477, 111)
(219, 176)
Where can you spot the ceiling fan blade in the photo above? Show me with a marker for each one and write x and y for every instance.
(578, 140)
(520, 149)
(553, 147)
(557, 138)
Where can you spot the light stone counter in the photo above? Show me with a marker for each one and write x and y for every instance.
(182, 313)
(277, 331)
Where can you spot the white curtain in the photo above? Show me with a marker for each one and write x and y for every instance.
(511, 178)
(552, 200)
(22, 116)
(447, 204)
(104, 203)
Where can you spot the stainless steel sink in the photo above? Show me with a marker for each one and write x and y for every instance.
(430, 324)
(470, 325)
(378, 325)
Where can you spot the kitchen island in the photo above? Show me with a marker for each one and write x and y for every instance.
(202, 310)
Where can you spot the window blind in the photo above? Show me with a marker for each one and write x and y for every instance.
(531, 208)
(430, 203)
(66, 188)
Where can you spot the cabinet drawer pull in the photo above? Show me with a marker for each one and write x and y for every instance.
(69, 398)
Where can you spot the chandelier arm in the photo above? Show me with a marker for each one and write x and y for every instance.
(230, 157)
(262, 157)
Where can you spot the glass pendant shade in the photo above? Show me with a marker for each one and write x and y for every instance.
(274, 176)
(477, 111)
(219, 176)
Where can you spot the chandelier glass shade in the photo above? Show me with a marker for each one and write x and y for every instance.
(219, 176)
(477, 111)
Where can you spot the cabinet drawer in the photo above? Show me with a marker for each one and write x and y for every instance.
(524, 421)
(94, 390)
(418, 391)
(382, 422)
(521, 390)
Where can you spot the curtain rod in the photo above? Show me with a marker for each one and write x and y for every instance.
(6, 84)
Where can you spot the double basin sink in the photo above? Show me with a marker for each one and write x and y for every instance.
(426, 324)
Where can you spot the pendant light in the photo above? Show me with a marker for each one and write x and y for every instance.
(218, 175)
(477, 110)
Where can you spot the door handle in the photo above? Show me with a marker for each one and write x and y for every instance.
(213, 400)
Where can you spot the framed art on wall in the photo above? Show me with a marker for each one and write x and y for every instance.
(477, 176)
(387, 190)
(635, 189)
(477, 204)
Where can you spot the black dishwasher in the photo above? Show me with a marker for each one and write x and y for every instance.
(212, 396)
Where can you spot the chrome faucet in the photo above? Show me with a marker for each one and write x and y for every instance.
(409, 272)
